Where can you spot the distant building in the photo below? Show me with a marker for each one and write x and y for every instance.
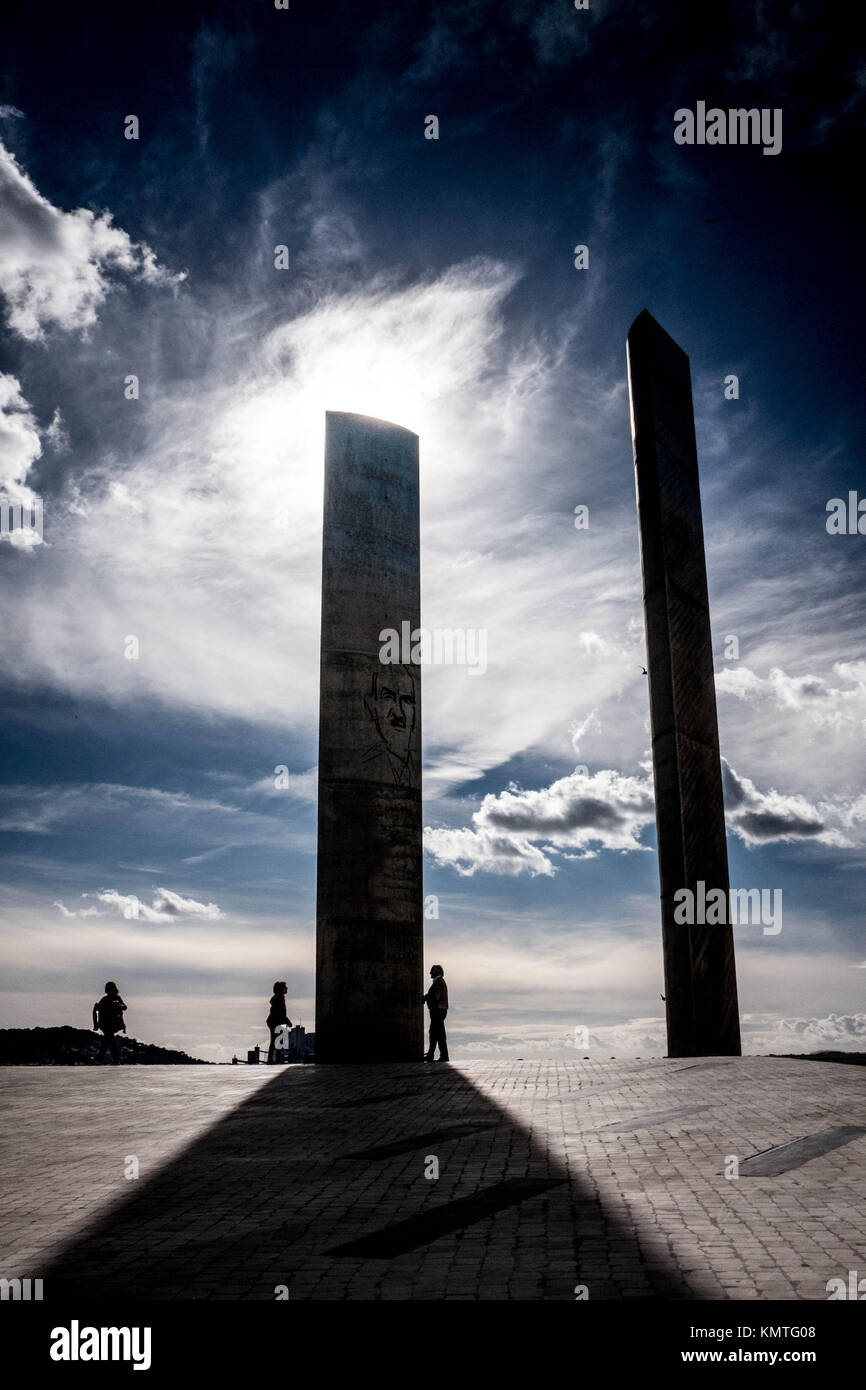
(300, 1045)
(254, 1056)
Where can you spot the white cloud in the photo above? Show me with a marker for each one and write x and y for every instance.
(840, 707)
(79, 912)
(173, 905)
(470, 850)
(20, 447)
(758, 817)
(574, 813)
(55, 266)
(579, 730)
(167, 906)
(56, 434)
(833, 1033)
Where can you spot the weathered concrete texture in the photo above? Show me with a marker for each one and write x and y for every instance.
(252, 1177)
(700, 974)
(370, 896)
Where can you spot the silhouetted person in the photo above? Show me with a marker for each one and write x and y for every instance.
(108, 1016)
(277, 1018)
(436, 1000)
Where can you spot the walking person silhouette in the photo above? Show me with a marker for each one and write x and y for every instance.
(108, 1016)
(277, 1019)
(436, 1000)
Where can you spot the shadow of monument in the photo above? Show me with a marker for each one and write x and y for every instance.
(316, 1182)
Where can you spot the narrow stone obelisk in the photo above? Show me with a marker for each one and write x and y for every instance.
(369, 911)
(700, 974)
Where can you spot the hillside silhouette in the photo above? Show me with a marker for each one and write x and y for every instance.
(70, 1047)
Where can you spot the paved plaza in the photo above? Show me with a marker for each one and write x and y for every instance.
(553, 1178)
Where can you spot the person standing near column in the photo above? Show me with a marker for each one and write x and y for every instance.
(436, 1000)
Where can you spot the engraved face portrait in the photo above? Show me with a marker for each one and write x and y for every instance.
(390, 705)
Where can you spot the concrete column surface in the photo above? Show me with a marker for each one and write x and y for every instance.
(369, 914)
(700, 974)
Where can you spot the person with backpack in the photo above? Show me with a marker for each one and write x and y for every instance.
(277, 1018)
(108, 1016)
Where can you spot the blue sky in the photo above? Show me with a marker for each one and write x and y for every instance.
(431, 283)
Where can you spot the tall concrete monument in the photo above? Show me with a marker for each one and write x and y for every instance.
(700, 975)
(369, 914)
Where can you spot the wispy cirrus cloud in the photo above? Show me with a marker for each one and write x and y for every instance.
(203, 824)
(228, 484)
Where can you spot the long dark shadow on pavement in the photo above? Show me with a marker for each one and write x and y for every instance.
(320, 1182)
